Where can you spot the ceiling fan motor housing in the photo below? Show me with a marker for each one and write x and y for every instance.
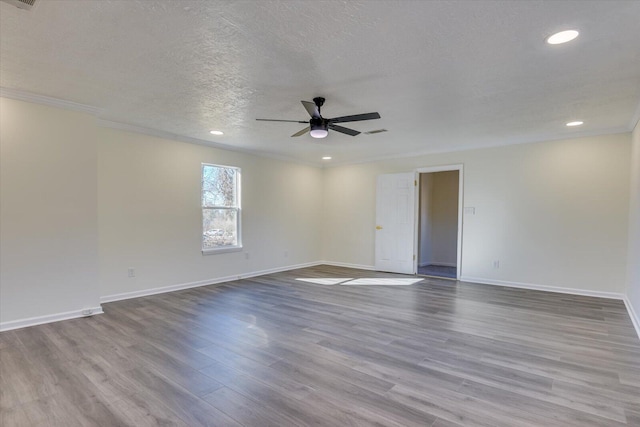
(319, 126)
(318, 123)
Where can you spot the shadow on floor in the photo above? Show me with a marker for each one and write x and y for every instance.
(438, 270)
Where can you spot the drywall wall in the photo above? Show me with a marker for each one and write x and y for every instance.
(150, 216)
(48, 212)
(553, 213)
(80, 204)
(425, 249)
(444, 218)
(633, 271)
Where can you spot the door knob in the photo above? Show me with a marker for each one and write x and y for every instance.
(378, 227)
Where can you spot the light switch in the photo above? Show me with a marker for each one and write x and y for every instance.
(470, 210)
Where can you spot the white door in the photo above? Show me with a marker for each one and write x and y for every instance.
(395, 214)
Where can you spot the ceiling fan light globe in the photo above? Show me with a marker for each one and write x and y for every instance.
(319, 133)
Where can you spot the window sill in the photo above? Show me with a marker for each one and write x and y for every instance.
(222, 250)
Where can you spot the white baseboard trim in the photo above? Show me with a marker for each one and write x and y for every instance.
(635, 319)
(39, 320)
(345, 264)
(573, 291)
(213, 281)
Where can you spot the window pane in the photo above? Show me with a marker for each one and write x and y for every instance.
(218, 186)
(219, 228)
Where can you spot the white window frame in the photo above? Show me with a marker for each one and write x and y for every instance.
(237, 208)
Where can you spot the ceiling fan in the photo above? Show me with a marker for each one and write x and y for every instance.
(319, 126)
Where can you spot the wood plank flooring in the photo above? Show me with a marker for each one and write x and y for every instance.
(277, 351)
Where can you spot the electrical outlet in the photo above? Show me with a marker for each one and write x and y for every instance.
(496, 264)
(286, 254)
(131, 272)
(246, 255)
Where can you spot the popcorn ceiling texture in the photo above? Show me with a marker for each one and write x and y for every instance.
(443, 75)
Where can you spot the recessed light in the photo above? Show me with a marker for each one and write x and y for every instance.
(576, 123)
(216, 132)
(562, 37)
(326, 158)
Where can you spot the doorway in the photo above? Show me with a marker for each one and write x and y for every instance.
(439, 199)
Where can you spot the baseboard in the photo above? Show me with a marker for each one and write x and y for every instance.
(33, 321)
(573, 291)
(635, 319)
(345, 264)
(213, 281)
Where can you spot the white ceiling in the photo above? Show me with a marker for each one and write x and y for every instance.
(444, 75)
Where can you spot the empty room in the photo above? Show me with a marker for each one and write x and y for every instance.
(319, 213)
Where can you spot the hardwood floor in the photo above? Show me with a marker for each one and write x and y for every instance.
(277, 351)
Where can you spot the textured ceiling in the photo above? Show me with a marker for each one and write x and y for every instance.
(444, 75)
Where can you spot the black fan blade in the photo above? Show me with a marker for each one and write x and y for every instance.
(311, 108)
(276, 120)
(302, 132)
(355, 118)
(343, 129)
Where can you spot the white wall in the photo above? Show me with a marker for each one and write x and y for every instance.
(633, 272)
(444, 218)
(150, 217)
(80, 204)
(425, 250)
(48, 212)
(553, 213)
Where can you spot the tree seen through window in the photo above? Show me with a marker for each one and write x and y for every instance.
(220, 207)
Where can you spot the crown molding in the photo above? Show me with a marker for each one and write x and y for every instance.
(585, 134)
(22, 95)
(187, 139)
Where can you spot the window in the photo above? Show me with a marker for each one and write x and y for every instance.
(220, 208)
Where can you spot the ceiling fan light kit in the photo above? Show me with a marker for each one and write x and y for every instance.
(319, 126)
(319, 133)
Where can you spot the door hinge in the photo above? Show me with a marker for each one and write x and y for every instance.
(415, 182)
(414, 257)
